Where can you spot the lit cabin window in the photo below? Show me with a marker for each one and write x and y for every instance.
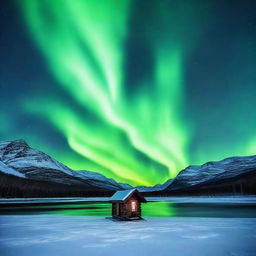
(133, 206)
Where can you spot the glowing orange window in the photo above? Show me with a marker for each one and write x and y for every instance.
(133, 206)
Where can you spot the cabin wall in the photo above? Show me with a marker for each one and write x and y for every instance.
(115, 209)
(127, 208)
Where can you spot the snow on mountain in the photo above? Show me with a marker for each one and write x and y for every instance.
(96, 177)
(7, 170)
(18, 155)
(214, 172)
(18, 159)
(208, 173)
(158, 187)
(36, 165)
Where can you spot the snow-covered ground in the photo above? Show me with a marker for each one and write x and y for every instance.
(43, 235)
(71, 231)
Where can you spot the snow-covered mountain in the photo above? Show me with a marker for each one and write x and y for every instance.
(231, 175)
(158, 187)
(214, 172)
(18, 159)
(7, 170)
(96, 177)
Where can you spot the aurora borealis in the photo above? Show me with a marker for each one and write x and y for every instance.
(135, 90)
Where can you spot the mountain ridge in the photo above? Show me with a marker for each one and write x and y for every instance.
(18, 159)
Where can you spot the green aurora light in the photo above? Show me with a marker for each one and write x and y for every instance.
(137, 133)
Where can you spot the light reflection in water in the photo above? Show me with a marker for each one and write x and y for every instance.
(158, 209)
(150, 209)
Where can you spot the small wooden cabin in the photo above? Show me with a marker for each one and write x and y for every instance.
(126, 204)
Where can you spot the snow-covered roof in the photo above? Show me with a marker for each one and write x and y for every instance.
(122, 195)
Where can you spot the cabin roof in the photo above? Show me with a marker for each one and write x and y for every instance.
(123, 195)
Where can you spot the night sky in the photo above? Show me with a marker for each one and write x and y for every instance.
(135, 90)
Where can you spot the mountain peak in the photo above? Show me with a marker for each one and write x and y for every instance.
(19, 159)
(17, 143)
(20, 143)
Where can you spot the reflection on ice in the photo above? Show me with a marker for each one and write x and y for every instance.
(171, 207)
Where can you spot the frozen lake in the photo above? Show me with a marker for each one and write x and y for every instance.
(181, 226)
(243, 207)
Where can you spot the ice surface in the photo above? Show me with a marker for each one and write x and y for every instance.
(57, 235)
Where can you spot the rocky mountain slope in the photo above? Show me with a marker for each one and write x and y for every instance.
(23, 168)
(158, 187)
(214, 172)
(20, 160)
(233, 175)
(7, 170)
